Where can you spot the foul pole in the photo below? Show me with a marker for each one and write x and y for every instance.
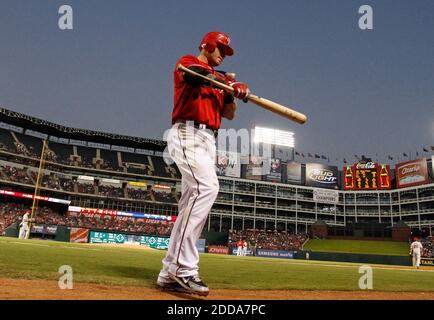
(37, 185)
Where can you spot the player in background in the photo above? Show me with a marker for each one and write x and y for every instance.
(196, 118)
(416, 251)
(24, 225)
(244, 248)
(240, 247)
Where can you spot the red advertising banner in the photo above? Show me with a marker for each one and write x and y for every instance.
(79, 235)
(218, 249)
(367, 176)
(411, 173)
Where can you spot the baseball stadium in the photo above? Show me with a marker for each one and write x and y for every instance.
(104, 205)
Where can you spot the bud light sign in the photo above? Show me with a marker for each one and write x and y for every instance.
(321, 176)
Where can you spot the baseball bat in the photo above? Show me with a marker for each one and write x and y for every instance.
(269, 105)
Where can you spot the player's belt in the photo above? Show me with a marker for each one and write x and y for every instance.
(198, 125)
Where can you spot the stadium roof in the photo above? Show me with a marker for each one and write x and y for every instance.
(43, 126)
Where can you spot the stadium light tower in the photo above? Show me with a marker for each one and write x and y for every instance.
(284, 140)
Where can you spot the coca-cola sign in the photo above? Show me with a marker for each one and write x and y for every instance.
(365, 165)
(411, 173)
(367, 176)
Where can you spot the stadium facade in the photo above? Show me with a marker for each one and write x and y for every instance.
(106, 171)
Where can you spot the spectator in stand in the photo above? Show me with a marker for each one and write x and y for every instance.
(428, 247)
(269, 240)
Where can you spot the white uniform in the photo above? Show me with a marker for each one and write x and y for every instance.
(24, 227)
(193, 151)
(416, 250)
(240, 250)
(244, 248)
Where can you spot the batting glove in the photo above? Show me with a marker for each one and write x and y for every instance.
(241, 90)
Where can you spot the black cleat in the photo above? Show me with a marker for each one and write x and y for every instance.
(192, 284)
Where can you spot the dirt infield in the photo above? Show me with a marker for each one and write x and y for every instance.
(19, 289)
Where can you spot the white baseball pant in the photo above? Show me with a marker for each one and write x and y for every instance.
(23, 231)
(193, 151)
(416, 259)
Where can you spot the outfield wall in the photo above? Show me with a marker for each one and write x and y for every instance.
(355, 258)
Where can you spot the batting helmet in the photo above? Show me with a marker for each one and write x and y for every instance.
(211, 39)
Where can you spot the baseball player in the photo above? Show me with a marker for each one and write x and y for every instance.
(244, 248)
(416, 251)
(240, 247)
(196, 117)
(24, 226)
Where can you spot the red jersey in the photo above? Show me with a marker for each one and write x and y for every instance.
(197, 103)
(239, 243)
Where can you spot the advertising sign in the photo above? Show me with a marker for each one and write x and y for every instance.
(254, 168)
(427, 262)
(275, 174)
(293, 172)
(321, 195)
(348, 174)
(161, 243)
(79, 235)
(218, 249)
(228, 164)
(274, 253)
(43, 229)
(366, 176)
(120, 238)
(321, 176)
(411, 173)
(249, 252)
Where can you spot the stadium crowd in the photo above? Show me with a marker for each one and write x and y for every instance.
(13, 212)
(267, 239)
(15, 174)
(111, 191)
(428, 247)
(62, 182)
(85, 158)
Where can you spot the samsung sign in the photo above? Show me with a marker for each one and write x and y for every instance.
(321, 176)
(274, 253)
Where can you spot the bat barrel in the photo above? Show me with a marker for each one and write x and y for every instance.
(278, 109)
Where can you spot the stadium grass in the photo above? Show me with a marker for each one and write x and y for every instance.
(390, 248)
(39, 259)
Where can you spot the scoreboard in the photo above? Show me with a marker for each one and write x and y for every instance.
(367, 176)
